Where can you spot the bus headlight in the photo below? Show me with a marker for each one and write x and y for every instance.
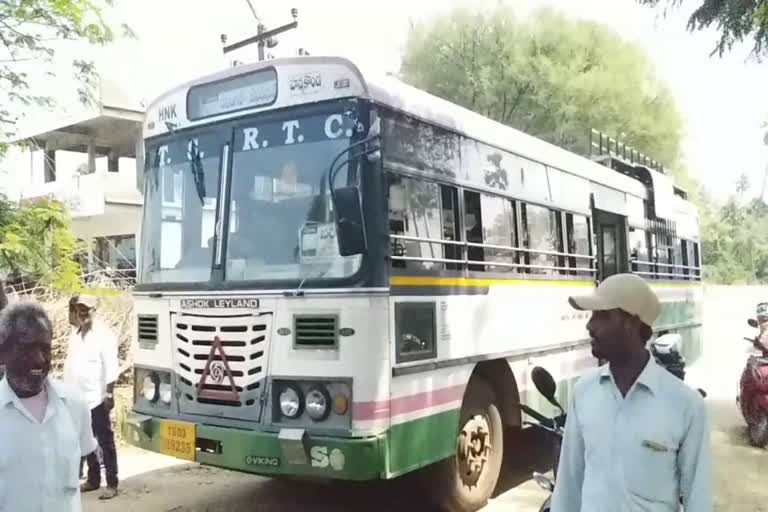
(165, 392)
(150, 388)
(317, 403)
(290, 402)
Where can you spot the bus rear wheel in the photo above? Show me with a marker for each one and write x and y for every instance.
(467, 479)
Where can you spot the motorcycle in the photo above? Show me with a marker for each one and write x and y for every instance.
(664, 350)
(752, 395)
(554, 427)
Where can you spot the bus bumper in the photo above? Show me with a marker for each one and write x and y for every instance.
(289, 452)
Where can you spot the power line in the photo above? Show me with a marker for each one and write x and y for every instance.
(253, 11)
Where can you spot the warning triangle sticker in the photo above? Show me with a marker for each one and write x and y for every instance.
(212, 394)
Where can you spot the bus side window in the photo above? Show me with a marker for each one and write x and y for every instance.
(678, 248)
(451, 227)
(414, 219)
(697, 261)
(639, 252)
(473, 229)
(577, 230)
(542, 229)
(495, 230)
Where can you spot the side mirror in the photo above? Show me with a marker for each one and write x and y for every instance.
(349, 221)
(544, 382)
(752, 323)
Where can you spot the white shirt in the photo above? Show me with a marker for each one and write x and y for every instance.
(40, 461)
(91, 362)
(635, 453)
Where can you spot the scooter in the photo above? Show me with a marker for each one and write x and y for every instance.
(752, 396)
(554, 427)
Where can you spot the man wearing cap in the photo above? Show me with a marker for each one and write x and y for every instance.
(92, 367)
(45, 426)
(637, 437)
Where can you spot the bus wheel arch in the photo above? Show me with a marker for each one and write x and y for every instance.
(499, 375)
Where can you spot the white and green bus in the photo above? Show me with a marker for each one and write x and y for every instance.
(344, 277)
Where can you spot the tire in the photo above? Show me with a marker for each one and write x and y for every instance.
(546, 505)
(757, 431)
(454, 486)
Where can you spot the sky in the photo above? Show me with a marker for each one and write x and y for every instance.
(722, 99)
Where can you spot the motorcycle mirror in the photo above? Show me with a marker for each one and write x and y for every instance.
(544, 382)
(752, 322)
(544, 482)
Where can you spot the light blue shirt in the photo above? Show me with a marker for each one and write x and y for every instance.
(40, 461)
(635, 453)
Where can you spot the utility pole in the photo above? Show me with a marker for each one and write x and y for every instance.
(265, 38)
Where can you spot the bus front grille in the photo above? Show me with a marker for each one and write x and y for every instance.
(234, 383)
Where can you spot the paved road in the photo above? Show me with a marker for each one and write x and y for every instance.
(150, 484)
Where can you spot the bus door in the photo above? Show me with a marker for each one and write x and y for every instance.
(611, 236)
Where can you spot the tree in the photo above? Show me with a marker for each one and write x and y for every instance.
(736, 20)
(36, 243)
(551, 77)
(742, 184)
(29, 30)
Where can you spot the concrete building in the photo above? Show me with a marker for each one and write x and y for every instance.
(86, 158)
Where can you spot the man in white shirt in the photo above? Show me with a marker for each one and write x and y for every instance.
(92, 367)
(44, 426)
(636, 437)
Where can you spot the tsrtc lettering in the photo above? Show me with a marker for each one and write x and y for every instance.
(250, 140)
(329, 130)
(288, 128)
(162, 153)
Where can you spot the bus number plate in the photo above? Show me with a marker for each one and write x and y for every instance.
(177, 439)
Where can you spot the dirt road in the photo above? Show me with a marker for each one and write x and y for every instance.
(150, 484)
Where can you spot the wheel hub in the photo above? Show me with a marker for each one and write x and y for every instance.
(474, 448)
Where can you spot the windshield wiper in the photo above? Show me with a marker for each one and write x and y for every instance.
(298, 291)
(196, 166)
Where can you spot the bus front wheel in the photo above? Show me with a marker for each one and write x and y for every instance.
(467, 479)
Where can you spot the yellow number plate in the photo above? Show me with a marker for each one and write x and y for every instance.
(177, 439)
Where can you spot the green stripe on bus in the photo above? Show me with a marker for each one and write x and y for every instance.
(421, 442)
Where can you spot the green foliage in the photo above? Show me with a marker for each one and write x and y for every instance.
(549, 76)
(556, 79)
(36, 243)
(735, 245)
(29, 30)
(736, 20)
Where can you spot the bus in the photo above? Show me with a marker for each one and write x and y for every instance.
(345, 277)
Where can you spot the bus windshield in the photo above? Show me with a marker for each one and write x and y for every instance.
(281, 223)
